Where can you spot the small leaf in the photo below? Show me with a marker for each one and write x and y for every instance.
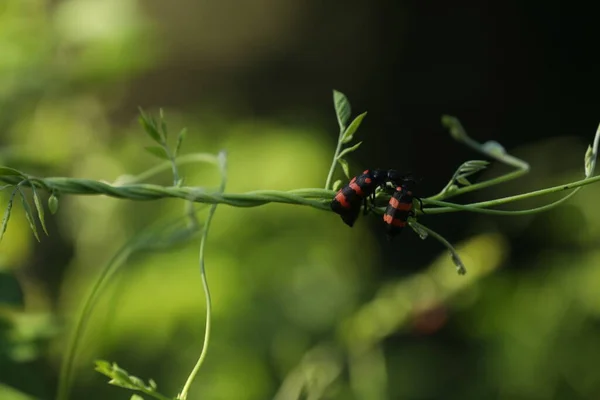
(462, 180)
(149, 126)
(136, 397)
(158, 151)
(342, 109)
(4, 171)
(349, 150)
(119, 377)
(344, 165)
(163, 123)
(7, 214)
(28, 214)
(222, 160)
(450, 188)
(40, 208)
(137, 382)
(152, 384)
(119, 373)
(180, 138)
(102, 366)
(53, 204)
(123, 384)
(473, 165)
(337, 185)
(468, 168)
(349, 133)
(591, 155)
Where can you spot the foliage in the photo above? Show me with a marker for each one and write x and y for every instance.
(157, 131)
(291, 306)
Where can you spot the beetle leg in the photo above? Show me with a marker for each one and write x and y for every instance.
(420, 203)
(366, 207)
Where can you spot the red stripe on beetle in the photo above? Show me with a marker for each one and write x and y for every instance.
(341, 198)
(394, 221)
(394, 203)
(354, 186)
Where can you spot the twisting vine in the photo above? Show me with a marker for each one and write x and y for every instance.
(131, 188)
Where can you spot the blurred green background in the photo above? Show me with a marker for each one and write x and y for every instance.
(303, 306)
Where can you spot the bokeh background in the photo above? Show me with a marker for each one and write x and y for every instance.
(304, 307)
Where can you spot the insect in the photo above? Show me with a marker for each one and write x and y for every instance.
(348, 200)
(400, 207)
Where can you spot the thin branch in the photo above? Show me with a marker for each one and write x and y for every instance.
(223, 171)
(480, 207)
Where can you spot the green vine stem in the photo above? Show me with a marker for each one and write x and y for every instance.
(480, 207)
(223, 171)
(313, 197)
(154, 238)
(154, 192)
(460, 267)
(162, 236)
(338, 149)
(491, 149)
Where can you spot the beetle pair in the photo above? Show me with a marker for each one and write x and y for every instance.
(348, 200)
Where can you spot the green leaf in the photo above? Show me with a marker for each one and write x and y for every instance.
(349, 150)
(119, 373)
(136, 397)
(103, 366)
(163, 123)
(158, 151)
(136, 382)
(344, 165)
(588, 161)
(473, 165)
(10, 290)
(53, 204)
(120, 377)
(4, 171)
(180, 137)
(342, 109)
(28, 214)
(462, 180)
(349, 133)
(39, 207)
(337, 185)
(591, 155)
(222, 160)
(7, 214)
(149, 126)
(469, 168)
